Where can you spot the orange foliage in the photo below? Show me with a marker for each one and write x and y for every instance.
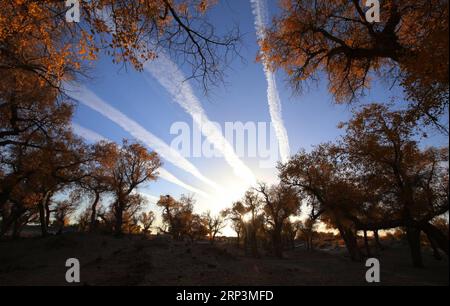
(333, 37)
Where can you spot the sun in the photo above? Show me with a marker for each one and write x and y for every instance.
(232, 192)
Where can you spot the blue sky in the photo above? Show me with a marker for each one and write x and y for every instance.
(309, 119)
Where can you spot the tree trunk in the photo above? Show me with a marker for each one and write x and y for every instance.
(377, 239)
(60, 229)
(413, 235)
(119, 220)
(47, 213)
(253, 242)
(238, 240)
(437, 236)
(434, 246)
(7, 221)
(350, 242)
(46, 202)
(94, 212)
(42, 219)
(16, 229)
(366, 244)
(246, 243)
(277, 245)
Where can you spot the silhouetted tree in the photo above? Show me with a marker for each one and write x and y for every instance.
(334, 37)
(280, 202)
(320, 178)
(236, 215)
(214, 225)
(383, 145)
(132, 166)
(146, 220)
(179, 218)
(63, 211)
(307, 230)
(253, 206)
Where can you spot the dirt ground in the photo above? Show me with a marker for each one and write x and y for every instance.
(133, 260)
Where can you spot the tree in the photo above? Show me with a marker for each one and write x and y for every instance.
(307, 230)
(170, 207)
(376, 178)
(98, 180)
(334, 37)
(30, 121)
(63, 211)
(252, 205)
(82, 220)
(179, 218)
(133, 165)
(146, 220)
(289, 233)
(35, 174)
(280, 202)
(322, 179)
(17, 213)
(196, 228)
(130, 217)
(214, 225)
(236, 215)
(383, 145)
(40, 51)
(126, 30)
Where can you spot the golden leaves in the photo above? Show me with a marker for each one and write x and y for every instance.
(129, 33)
(328, 36)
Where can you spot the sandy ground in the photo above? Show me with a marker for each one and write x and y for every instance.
(130, 260)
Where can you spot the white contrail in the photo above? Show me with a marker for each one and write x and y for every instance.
(172, 178)
(91, 100)
(87, 133)
(151, 198)
(163, 173)
(168, 74)
(261, 17)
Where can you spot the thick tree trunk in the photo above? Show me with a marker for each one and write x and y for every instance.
(60, 229)
(4, 229)
(413, 235)
(437, 236)
(377, 239)
(277, 245)
(434, 246)
(253, 242)
(350, 242)
(16, 229)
